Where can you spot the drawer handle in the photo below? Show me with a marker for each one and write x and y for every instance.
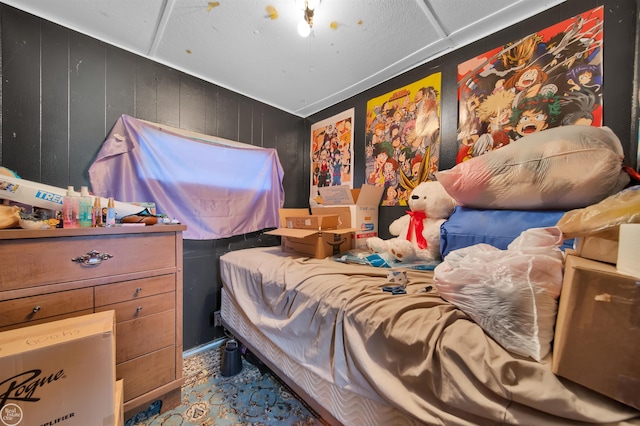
(92, 258)
(138, 291)
(138, 309)
(36, 309)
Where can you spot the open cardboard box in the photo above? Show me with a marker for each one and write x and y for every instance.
(357, 208)
(317, 222)
(312, 241)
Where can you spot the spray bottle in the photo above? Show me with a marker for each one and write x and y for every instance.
(85, 208)
(111, 212)
(70, 205)
(96, 217)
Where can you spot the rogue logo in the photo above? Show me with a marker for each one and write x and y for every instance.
(11, 415)
(22, 387)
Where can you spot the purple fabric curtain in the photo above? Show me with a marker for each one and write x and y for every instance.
(218, 188)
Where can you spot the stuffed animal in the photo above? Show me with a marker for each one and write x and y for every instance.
(418, 232)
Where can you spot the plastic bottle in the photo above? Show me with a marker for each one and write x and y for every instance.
(85, 208)
(111, 213)
(96, 217)
(70, 205)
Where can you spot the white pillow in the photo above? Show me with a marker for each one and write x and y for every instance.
(562, 168)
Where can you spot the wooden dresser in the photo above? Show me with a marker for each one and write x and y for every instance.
(46, 275)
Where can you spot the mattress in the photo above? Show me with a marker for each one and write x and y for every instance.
(335, 405)
(407, 358)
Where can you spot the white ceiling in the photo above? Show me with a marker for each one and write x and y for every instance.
(355, 44)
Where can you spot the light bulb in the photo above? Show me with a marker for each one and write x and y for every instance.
(312, 4)
(303, 28)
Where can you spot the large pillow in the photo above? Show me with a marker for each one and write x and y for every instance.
(499, 228)
(563, 168)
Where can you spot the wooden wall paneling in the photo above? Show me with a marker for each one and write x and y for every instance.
(246, 121)
(192, 104)
(269, 128)
(620, 24)
(257, 125)
(227, 112)
(201, 292)
(86, 105)
(294, 152)
(211, 110)
(55, 105)
(146, 90)
(120, 84)
(20, 102)
(168, 96)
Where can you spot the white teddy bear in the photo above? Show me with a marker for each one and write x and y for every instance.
(418, 232)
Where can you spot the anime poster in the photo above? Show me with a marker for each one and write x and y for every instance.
(550, 78)
(331, 153)
(403, 139)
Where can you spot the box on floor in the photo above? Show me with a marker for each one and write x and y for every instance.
(597, 336)
(60, 372)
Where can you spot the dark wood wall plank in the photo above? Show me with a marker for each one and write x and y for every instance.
(168, 96)
(227, 111)
(146, 90)
(55, 105)
(246, 122)
(211, 110)
(120, 77)
(192, 104)
(21, 103)
(86, 104)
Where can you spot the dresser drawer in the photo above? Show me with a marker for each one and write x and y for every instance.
(139, 308)
(49, 319)
(147, 372)
(36, 262)
(135, 289)
(145, 335)
(26, 309)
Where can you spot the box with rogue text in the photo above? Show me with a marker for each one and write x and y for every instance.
(59, 373)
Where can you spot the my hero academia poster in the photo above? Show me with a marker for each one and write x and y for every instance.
(403, 138)
(331, 152)
(547, 79)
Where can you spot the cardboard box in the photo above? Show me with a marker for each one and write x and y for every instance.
(357, 208)
(62, 372)
(315, 222)
(597, 336)
(119, 404)
(312, 242)
(598, 248)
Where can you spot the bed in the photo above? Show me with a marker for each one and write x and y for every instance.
(362, 356)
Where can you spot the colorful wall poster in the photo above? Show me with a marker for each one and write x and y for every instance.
(331, 153)
(547, 79)
(403, 138)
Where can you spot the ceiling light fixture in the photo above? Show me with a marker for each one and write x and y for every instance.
(305, 25)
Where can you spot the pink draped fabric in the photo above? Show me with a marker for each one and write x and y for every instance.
(218, 188)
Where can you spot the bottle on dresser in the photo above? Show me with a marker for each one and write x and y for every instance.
(70, 209)
(85, 208)
(96, 219)
(111, 213)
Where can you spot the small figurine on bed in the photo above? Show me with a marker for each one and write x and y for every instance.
(418, 232)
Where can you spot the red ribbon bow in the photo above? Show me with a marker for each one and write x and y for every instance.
(416, 223)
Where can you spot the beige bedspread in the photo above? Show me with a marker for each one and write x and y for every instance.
(415, 351)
